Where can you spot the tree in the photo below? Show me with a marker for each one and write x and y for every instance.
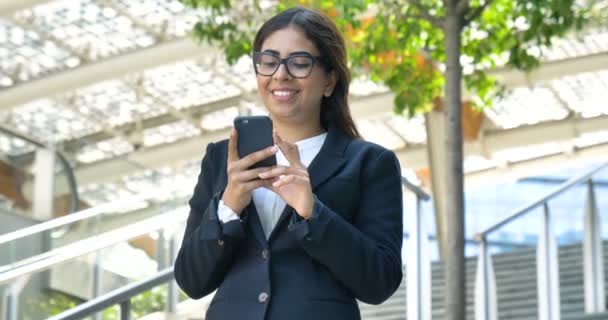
(429, 45)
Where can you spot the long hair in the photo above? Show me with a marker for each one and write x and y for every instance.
(321, 31)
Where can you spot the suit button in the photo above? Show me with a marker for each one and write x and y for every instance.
(265, 254)
(220, 242)
(263, 297)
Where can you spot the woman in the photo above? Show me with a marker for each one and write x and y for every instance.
(306, 238)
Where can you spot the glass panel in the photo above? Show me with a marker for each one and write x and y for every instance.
(115, 103)
(49, 121)
(26, 55)
(520, 107)
(186, 85)
(584, 93)
(91, 30)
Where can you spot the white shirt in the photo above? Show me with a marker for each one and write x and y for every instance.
(267, 203)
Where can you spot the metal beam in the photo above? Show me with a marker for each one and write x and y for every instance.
(373, 105)
(149, 158)
(539, 166)
(8, 7)
(411, 156)
(74, 145)
(551, 131)
(182, 49)
(550, 70)
(112, 68)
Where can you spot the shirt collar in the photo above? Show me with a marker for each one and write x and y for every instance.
(315, 141)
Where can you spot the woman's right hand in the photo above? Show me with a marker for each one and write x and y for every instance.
(241, 182)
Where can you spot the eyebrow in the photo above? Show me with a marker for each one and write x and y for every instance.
(290, 54)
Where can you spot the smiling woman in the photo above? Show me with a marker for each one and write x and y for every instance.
(293, 91)
(308, 237)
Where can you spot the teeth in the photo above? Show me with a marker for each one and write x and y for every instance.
(282, 93)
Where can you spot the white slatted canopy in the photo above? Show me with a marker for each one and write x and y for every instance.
(132, 100)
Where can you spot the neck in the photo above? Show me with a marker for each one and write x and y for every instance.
(292, 133)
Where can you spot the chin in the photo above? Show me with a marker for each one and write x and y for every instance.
(284, 110)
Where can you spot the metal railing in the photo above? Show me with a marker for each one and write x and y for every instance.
(546, 257)
(91, 216)
(121, 296)
(20, 271)
(418, 264)
(418, 269)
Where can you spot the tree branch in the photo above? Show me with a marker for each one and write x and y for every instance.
(477, 12)
(462, 7)
(434, 20)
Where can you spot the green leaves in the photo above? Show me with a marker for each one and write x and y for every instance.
(216, 5)
(396, 43)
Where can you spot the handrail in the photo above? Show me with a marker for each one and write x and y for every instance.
(74, 250)
(477, 242)
(527, 207)
(69, 172)
(415, 189)
(121, 296)
(74, 217)
(118, 296)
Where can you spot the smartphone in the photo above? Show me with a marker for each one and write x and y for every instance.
(254, 134)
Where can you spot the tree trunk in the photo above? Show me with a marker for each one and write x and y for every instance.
(454, 262)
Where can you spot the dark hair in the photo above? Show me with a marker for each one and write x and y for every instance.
(319, 29)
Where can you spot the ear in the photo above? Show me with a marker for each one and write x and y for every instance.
(330, 84)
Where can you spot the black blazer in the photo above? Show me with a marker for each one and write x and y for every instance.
(311, 269)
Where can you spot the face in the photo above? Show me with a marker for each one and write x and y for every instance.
(289, 99)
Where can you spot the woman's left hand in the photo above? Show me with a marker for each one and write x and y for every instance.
(292, 182)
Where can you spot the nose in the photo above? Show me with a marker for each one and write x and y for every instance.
(282, 73)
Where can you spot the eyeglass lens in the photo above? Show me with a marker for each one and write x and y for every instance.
(297, 66)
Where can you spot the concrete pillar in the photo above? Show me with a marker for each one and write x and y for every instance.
(44, 180)
(436, 136)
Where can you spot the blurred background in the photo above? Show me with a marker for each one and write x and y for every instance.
(106, 107)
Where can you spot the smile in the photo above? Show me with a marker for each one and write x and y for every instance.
(283, 93)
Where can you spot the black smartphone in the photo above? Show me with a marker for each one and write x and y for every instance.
(254, 134)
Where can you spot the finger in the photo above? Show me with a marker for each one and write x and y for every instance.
(267, 184)
(257, 156)
(233, 153)
(253, 174)
(282, 170)
(254, 184)
(290, 179)
(290, 150)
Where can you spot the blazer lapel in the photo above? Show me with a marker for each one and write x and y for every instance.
(255, 224)
(284, 215)
(325, 164)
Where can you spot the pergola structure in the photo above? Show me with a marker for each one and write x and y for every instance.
(122, 90)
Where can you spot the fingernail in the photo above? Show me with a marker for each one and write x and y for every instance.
(262, 175)
(274, 149)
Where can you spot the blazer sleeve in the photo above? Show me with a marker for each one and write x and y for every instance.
(364, 256)
(208, 246)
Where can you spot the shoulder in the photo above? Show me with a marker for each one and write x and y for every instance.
(371, 157)
(221, 146)
(367, 149)
(217, 150)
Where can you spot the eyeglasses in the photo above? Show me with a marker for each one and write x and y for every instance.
(298, 65)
